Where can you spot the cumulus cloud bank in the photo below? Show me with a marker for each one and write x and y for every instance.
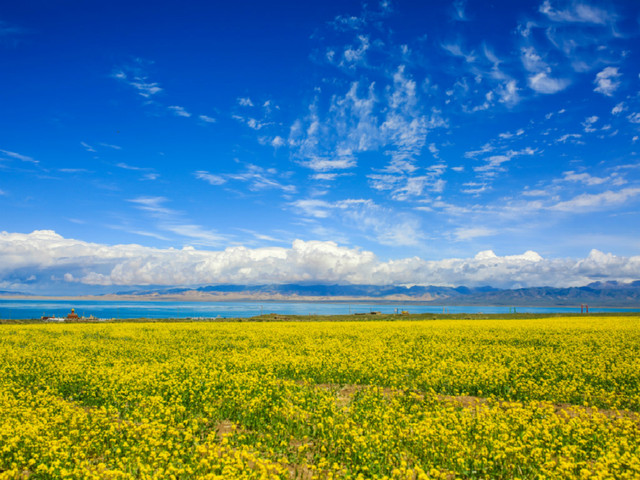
(44, 257)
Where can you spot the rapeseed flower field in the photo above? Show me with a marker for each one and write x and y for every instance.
(546, 398)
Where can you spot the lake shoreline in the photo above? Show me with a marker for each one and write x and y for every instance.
(440, 303)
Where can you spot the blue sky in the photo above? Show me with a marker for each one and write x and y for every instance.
(390, 134)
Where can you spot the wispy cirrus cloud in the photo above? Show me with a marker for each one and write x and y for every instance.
(257, 178)
(459, 8)
(94, 149)
(152, 205)
(210, 178)
(18, 156)
(173, 221)
(456, 50)
(88, 147)
(469, 233)
(595, 201)
(381, 223)
(179, 111)
(146, 172)
(590, 180)
(111, 146)
(577, 12)
(390, 120)
(135, 76)
(495, 163)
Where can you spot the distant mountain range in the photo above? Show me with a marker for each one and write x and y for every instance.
(9, 292)
(602, 294)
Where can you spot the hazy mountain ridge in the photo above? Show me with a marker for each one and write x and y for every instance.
(609, 293)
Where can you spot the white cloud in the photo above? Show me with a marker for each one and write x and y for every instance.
(278, 142)
(258, 178)
(245, 102)
(45, 253)
(474, 188)
(328, 176)
(532, 61)
(634, 117)
(596, 201)
(345, 23)
(207, 119)
(455, 49)
(535, 193)
(383, 224)
(251, 122)
(179, 111)
(152, 205)
(126, 166)
(197, 233)
(607, 81)
(356, 55)
(508, 93)
(136, 78)
(108, 145)
(170, 220)
(261, 179)
(405, 187)
(507, 135)
(18, 156)
(577, 12)
(588, 124)
(590, 180)
(469, 233)
(459, 8)
(88, 147)
(542, 83)
(619, 108)
(569, 136)
(387, 116)
(320, 164)
(210, 177)
(493, 164)
(314, 207)
(486, 148)
(255, 124)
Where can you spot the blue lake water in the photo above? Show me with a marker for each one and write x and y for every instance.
(26, 309)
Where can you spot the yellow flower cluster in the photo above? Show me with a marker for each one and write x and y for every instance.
(547, 398)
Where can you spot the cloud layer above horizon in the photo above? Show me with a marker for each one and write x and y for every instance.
(46, 260)
(335, 141)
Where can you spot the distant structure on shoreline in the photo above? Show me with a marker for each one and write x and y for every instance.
(71, 317)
